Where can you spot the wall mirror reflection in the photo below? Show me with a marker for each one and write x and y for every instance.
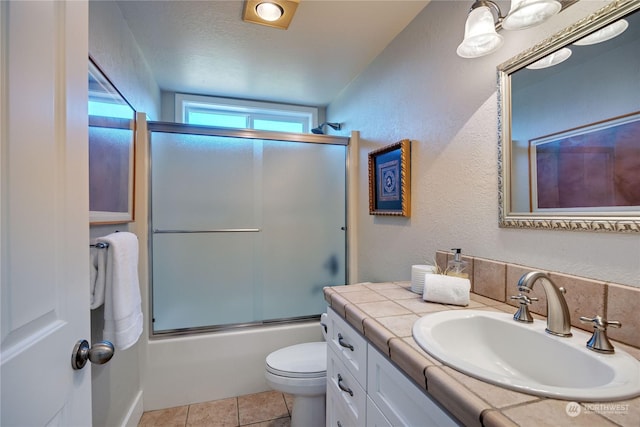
(111, 151)
(570, 128)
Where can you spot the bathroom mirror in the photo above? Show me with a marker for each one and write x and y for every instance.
(111, 151)
(569, 134)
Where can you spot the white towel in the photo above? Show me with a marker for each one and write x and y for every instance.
(98, 258)
(122, 303)
(446, 289)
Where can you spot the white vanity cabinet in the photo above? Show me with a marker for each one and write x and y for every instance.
(401, 402)
(364, 389)
(346, 374)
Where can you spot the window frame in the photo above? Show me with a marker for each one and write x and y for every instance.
(252, 110)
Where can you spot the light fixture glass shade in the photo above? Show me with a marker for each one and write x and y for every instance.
(269, 11)
(480, 36)
(528, 13)
(552, 59)
(604, 34)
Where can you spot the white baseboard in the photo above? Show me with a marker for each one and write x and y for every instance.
(135, 412)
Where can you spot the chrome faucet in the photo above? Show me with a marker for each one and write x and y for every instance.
(558, 317)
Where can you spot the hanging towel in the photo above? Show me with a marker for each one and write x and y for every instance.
(446, 289)
(97, 263)
(122, 302)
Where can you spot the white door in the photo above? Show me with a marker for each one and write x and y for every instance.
(44, 274)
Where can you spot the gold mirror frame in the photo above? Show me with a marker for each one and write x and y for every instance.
(567, 221)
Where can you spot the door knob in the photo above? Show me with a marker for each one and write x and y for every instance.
(100, 353)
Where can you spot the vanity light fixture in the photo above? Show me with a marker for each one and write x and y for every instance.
(480, 35)
(529, 13)
(485, 18)
(604, 34)
(272, 13)
(552, 59)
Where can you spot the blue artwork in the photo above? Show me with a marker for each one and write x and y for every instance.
(389, 181)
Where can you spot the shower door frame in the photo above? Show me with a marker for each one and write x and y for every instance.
(303, 138)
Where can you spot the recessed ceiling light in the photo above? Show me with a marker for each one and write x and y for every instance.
(272, 13)
(269, 11)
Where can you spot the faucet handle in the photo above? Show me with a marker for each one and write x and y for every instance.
(599, 341)
(600, 323)
(523, 314)
(524, 299)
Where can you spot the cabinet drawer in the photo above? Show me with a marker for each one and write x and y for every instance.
(349, 345)
(375, 418)
(347, 392)
(400, 400)
(338, 414)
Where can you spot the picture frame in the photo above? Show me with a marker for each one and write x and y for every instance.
(390, 180)
(592, 168)
(112, 129)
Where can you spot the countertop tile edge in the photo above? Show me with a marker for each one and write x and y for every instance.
(410, 361)
(455, 397)
(377, 334)
(495, 418)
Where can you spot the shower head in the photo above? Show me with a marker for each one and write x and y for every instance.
(319, 131)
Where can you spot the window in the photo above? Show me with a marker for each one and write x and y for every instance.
(242, 114)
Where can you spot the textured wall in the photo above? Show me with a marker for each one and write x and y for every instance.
(113, 47)
(117, 386)
(419, 89)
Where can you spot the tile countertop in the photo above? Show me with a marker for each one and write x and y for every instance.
(385, 313)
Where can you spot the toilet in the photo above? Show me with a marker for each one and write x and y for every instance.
(301, 371)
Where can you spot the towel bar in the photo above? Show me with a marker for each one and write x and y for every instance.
(220, 230)
(100, 245)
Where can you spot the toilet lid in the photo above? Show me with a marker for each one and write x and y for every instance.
(307, 360)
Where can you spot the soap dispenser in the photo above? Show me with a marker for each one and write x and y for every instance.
(457, 266)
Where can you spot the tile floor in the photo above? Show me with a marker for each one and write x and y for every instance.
(267, 409)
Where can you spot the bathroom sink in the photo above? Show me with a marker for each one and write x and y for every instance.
(491, 346)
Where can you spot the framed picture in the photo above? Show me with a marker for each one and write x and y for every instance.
(390, 180)
(111, 152)
(593, 168)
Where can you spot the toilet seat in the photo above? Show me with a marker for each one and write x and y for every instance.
(308, 360)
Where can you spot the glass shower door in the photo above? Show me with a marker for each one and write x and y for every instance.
(303, 220)
(245, 231)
